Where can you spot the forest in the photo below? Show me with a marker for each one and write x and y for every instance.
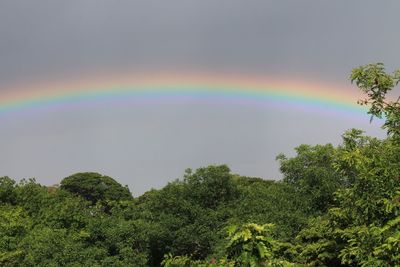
(335, 206)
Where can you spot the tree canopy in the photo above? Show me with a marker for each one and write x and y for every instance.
(95, 187)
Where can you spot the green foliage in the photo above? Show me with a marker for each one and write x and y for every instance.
(186, 222)
(312, 174)
(262, 202)
(7, 190)
(253, 245)
(248, 245)
(185, 261)
(376, 83)
(95, 187)
(356, 231)
(14, 225)
(318, 244)
(188, 214)
(32, 196)
(210, 186)
(179, 261)
(362, 228)
(42, 227)
(44, 246)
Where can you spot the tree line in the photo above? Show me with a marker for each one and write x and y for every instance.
(335, 206)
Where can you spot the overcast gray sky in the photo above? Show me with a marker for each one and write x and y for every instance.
(147, 145)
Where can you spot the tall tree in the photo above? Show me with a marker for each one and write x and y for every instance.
(95, 187)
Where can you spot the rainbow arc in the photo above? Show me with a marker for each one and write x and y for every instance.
(181, 87)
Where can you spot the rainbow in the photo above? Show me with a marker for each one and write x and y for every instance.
(253, 90)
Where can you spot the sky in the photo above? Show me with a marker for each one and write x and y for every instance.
(146, 144)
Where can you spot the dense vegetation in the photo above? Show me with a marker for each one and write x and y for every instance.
(336, 206)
